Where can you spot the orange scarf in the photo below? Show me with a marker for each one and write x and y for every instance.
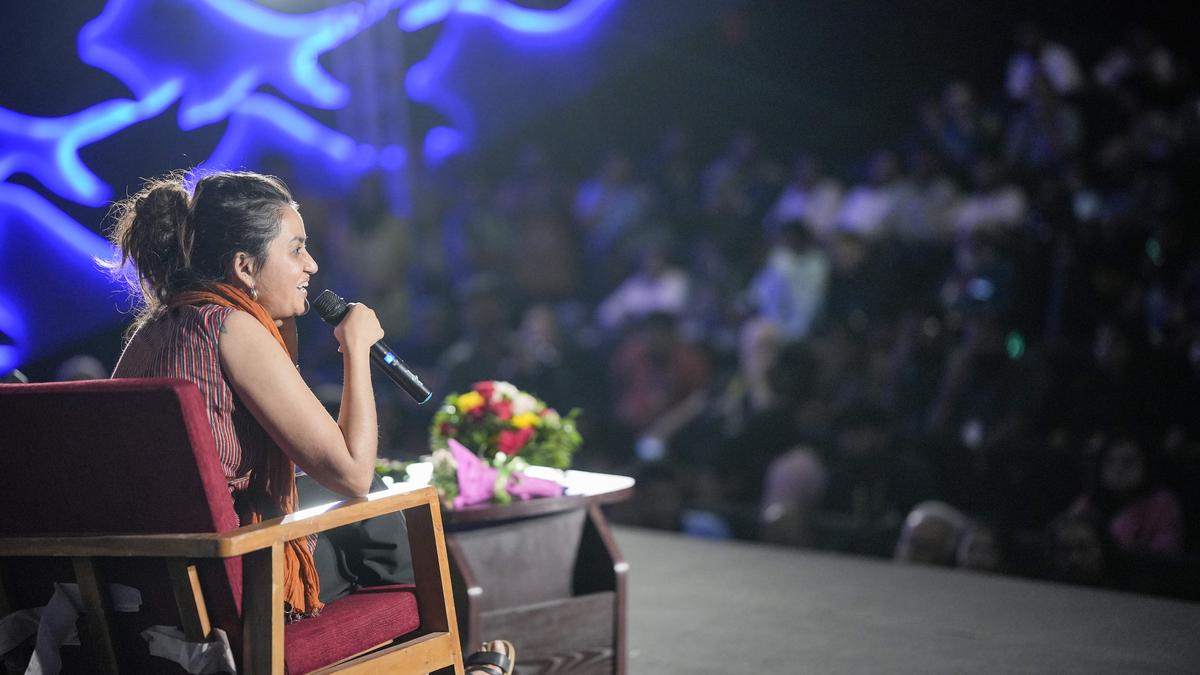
(277, 479)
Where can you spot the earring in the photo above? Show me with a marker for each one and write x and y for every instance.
(254, 294)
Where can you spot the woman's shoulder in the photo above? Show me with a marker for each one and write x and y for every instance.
(185, 318)
(188, 314)
(242, 333)
(240, 322)
(207, 319)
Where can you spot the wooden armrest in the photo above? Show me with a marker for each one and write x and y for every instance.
(222, 544)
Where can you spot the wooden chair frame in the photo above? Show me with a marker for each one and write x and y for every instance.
(261, 548)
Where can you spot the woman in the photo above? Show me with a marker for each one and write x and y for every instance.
(223, 272)
(1139, 514)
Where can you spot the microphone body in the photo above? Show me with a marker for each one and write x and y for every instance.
(333, 309)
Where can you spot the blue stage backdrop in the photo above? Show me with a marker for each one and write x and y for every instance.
(242, 82)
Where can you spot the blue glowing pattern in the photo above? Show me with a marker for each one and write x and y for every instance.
(53, 292)
(432, 81)
(212, 57)
(421, 13)
(12, 335)
(231, 47)
(48, 148)
(263, 125)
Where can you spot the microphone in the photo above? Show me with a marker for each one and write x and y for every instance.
(333, 309)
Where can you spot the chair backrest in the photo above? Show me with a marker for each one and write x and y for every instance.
(119, 456)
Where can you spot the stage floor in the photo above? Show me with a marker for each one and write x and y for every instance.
(729, 607)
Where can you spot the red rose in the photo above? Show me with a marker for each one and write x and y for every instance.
(446, 429)
(476, 413)
(502, 409)
(484, 389)
(511, 442)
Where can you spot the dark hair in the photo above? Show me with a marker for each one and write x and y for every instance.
(179, 242)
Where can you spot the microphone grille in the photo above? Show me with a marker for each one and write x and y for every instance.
(330, 306)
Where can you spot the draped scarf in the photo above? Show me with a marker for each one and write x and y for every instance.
(276, 477)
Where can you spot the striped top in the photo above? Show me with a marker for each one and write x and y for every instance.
(183, 343)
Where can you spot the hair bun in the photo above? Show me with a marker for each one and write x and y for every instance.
(153, 232)
(165, 204)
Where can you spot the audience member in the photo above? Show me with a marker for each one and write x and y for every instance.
(1037, 56)
(81, 367)
(789, 291)
(811, 197)
(609, 207)
(931, 534)
(485, 349)
(869, 209)
(1139, 514)
(1045, 133)
(994, 204)
(925, 201)
(657, 286)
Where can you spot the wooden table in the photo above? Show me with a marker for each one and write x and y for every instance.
(545, 574)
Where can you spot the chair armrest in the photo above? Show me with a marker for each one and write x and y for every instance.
(223, 544)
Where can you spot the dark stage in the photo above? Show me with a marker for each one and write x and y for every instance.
(714, 607)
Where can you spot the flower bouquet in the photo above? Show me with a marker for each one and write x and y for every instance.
(484, 439)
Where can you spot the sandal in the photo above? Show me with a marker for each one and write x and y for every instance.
(496, 657)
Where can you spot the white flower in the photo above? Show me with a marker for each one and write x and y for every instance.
(504, 390)
(442, 458)
(524, 403)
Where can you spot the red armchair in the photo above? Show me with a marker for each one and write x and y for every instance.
(118, 481)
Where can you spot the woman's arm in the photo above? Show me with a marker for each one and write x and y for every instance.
(339, 455)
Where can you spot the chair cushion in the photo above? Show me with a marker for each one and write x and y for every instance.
(347, 626)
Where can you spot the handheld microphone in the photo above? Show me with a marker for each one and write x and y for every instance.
(333, 309)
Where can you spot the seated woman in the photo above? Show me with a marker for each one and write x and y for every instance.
(223, 272)
(1140, 515)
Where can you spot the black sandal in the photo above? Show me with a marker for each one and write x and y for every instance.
(499, 662)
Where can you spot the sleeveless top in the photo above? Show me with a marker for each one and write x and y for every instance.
(183, 343)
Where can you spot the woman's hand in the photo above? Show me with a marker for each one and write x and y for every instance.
(358, 330)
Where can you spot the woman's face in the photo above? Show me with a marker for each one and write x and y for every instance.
(282, 281)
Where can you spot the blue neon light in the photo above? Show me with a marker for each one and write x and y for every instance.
(48, 148)
(263, 125)
(231, 47)
(392, 158)
(421, 13)
(13, 328)
(443, 142)
(430, 82)
(52, 292)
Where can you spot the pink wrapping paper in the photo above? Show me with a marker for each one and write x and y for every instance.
(477, 480)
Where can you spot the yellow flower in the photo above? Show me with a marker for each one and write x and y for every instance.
(468, 401)
(525, 420)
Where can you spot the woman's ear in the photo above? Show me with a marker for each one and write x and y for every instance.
(244, 267)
